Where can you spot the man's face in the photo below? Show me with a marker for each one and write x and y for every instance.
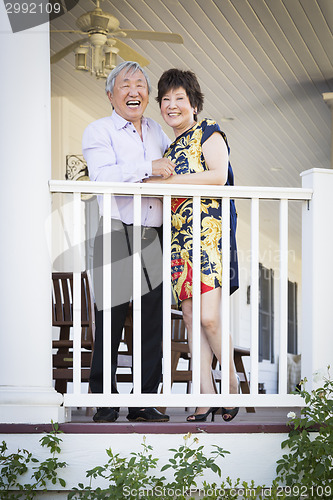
(130, 95)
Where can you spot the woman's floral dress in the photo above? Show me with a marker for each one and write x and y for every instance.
(186, 152)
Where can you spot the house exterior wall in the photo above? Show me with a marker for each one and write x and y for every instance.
(67, 125)
(252, 456)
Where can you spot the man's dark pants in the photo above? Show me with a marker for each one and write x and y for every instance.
(121, 292)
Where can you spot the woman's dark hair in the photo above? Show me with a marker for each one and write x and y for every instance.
(173, 79)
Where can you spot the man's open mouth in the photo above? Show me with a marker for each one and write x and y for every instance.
(133, 104)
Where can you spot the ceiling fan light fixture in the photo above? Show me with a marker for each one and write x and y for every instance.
(110, 57)
(102, 33)
(81, 58)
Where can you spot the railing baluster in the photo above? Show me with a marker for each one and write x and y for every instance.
(196, 305)
(254, 294)
(77, 293)
(137, 270)
(225, 313)
(107, 294)
(283, 296)
(166, 294)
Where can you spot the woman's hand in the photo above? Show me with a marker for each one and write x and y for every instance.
(163, 167)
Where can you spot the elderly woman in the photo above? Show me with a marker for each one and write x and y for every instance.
(201, 154)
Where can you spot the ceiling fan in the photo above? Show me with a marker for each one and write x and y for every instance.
(102, 40)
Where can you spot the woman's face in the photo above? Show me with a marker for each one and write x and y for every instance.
(177, 111)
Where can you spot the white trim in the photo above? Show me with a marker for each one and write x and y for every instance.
(275, 193)
(183, 400)
(254, 295)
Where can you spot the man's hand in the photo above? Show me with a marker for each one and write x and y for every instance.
(163, 167)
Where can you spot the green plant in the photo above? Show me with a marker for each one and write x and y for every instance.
(307, 469)
(189, 463)
(14, 466)
(126, 476)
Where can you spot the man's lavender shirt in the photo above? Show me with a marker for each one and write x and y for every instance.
(115, 152)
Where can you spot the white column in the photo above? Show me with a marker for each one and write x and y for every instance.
(26, 392)
(328, 98)
(317, 274)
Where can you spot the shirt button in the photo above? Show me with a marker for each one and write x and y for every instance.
(150, 206)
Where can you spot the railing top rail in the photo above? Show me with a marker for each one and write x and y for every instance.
(129, 188)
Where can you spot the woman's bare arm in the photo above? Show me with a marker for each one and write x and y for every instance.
(215, 152)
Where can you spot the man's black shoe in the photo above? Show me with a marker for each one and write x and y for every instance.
(147, 415)
(106, 415)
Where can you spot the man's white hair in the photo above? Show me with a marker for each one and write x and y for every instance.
(131, 66)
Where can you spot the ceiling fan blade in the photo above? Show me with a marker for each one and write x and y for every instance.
(62, 53)
(158, 36)
(68, 31)
(128, 54)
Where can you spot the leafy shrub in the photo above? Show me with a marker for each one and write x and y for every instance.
(307, 468)
(15, 465)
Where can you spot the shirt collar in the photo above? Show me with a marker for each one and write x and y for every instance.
(120, 122)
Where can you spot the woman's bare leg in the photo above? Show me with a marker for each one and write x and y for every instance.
(206, 355)
(211, 341)
(211, 324)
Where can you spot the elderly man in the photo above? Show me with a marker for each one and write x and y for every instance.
(127, 147)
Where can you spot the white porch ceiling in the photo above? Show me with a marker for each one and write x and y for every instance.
(264, 64)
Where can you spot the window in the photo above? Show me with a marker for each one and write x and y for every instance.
(292, 317)
(266, 314)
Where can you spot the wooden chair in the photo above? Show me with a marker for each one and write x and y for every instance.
(239, 352)
(62, 317)
(179, 349)
(125, 357)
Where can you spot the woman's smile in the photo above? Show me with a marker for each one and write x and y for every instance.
(177, 111)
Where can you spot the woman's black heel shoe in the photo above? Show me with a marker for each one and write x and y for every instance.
(202, 417)
(232, 412)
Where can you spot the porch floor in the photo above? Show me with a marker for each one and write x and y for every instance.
(263, 420)
(178, 415)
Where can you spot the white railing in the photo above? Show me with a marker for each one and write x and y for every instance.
(167, 399)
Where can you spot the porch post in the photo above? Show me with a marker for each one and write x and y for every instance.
(328, 98)
(317, 274)
(26, 391)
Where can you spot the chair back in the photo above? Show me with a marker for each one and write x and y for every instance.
(62, 310)
(62, 317)
(178, 330)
